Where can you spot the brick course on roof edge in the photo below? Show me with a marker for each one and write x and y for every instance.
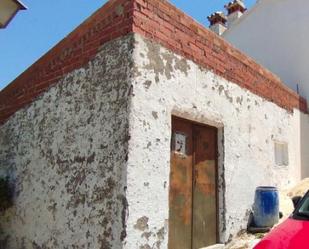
(157, 20)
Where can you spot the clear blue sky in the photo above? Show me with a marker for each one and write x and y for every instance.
(34, 31)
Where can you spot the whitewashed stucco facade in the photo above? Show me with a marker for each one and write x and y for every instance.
(166, 85)
(91, 157)
(275, 33)
(65, 155)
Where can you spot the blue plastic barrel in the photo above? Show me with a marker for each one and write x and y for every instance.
(266, 207)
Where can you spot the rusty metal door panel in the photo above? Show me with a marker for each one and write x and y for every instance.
(193, 186)
(204, 187)
(180, 197)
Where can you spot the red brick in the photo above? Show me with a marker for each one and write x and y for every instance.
(154, 19)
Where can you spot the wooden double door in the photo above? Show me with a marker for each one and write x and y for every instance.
(193, 186)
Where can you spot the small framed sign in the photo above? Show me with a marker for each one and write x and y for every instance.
(179, 143)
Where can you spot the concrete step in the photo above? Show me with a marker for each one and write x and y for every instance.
(217, 246)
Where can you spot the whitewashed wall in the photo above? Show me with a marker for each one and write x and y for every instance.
(276, 34)
(66, 155)
(90, 158)
(166, 85)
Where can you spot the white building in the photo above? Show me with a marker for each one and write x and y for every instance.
(275, 33)
(142, 129)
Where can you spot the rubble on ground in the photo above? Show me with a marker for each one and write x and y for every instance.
(244, 241)
(300, 189)
(248, 241)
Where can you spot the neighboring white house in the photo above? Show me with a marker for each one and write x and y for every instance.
(275, 33)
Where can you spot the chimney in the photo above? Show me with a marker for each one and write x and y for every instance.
(235, 10)
(217, 22)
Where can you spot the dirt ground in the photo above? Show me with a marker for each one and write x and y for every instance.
(245, 241)
(248, 241)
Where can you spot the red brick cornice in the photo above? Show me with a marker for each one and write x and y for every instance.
(157, 20)
(164, 23)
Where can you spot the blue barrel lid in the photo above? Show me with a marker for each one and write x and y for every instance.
(266, 188)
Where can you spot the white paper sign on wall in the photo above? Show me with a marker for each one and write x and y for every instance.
(180, 143)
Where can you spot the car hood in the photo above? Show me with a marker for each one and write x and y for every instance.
(291, 234)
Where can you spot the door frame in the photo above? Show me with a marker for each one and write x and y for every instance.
(218, 158)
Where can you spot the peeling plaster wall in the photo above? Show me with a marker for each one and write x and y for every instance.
(90, 158)
(66, 155)
(165, 84)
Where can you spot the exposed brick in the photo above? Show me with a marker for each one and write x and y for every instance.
(218, 55)
(153, 19)
(77, 49)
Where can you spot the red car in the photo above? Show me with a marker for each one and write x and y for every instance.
(292, 233)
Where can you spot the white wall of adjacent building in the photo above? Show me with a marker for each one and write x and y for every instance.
(275, 33)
